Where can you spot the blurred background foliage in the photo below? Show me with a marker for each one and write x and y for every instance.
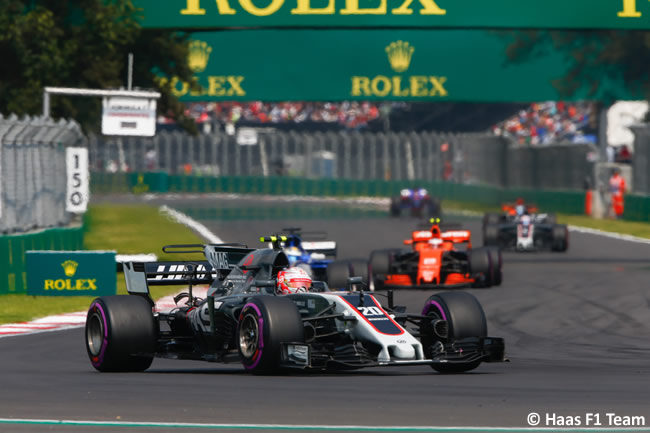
(84, 44)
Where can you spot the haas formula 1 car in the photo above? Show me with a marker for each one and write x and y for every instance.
(525, 232)
(436, 259)
(244, 319)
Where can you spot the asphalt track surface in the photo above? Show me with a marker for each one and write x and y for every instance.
(576, 325)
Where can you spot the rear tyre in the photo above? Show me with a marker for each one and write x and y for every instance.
(560, 238)
(359, 268)
(380, 265)
(338, 273)
(465, 318)
(264, 323)
(491, 218)
(491, 235)
(121, 333)
(435, 208)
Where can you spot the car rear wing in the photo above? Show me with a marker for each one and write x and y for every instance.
(311, 235)
(327, 248)
(539, 217)
(221, 259)
(419, 236)
(456, 236)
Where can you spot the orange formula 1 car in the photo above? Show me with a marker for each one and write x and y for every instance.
(518, 208)
(436, 259)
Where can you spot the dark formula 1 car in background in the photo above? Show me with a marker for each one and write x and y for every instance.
(437, 259)
(525, 232)
(415, 202)
(243, 319)
(309, 250)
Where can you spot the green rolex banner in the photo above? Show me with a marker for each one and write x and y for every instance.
(562, 14)
(410, 65)
(71, 273)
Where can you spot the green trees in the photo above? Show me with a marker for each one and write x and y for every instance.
(598, 59)
(85, 44)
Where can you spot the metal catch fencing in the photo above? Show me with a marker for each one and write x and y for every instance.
(428, 156)
(33, 172)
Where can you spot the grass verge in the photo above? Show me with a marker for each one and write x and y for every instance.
(127, 229)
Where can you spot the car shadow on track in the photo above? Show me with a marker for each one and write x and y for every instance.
(294, 373)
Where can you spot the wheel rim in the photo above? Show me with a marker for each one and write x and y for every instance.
(249, 336)
(95, 334)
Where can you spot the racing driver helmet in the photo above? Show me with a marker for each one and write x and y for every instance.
(293, 280)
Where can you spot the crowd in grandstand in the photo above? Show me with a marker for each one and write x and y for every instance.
(551, 122)
(539, 124)
(349, 114)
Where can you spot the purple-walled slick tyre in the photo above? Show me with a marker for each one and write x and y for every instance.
(120, 333)
(465, 318)
(264, 323)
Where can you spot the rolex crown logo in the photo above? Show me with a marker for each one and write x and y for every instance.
(399, 55)
(199, 55)
(69, 267)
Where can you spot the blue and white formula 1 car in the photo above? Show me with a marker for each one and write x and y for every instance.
(308, 250)
(244, 319)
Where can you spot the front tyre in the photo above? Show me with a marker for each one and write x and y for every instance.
(497, 262)
(481, 266)
(264, 323)
(121, 333)
(465, 318)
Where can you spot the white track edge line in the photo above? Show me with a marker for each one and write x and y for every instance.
(187, 221)
(619, 236)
